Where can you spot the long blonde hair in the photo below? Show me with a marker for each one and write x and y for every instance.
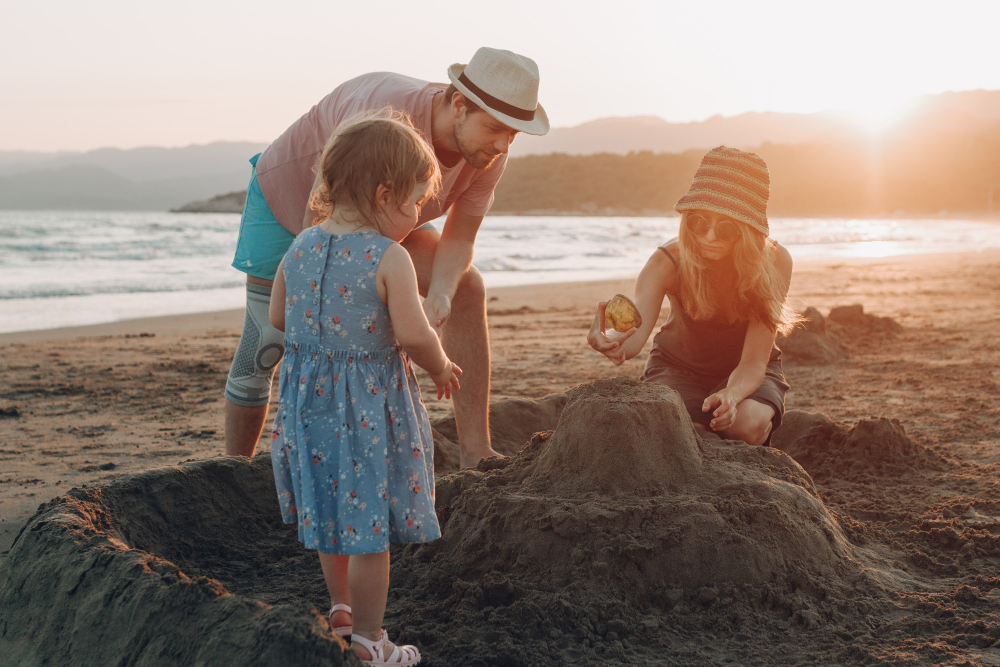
(371, 149)
(760, 287)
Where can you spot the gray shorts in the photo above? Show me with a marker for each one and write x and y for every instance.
(694, 389)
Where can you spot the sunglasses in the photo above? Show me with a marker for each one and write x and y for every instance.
(725, 230)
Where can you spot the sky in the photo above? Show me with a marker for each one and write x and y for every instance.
(82, 75)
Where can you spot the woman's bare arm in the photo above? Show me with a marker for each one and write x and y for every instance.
(749, 373)
(657, 277)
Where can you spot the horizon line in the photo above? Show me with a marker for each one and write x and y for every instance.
(845, 113)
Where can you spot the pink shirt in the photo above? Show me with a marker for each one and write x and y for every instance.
(285, 170)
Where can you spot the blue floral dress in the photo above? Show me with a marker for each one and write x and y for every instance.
(351, 445)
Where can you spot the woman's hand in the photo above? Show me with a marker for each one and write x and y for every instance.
(447, 379)
(610, 345)
(723, 403)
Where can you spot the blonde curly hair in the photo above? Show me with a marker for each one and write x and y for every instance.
(371, 149)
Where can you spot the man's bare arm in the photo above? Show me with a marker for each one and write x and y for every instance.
(451, 260)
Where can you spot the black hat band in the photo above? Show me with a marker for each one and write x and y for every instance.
(496, 104)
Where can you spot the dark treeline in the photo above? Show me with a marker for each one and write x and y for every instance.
(918, 170)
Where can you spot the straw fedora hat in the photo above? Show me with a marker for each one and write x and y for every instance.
(504, 85)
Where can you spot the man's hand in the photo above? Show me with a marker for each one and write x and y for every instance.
(437, 307)
(610, 345)
(723, 404)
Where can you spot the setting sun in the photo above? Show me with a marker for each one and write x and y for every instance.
(878, 115)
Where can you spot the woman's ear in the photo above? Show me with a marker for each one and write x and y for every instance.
(383, 196)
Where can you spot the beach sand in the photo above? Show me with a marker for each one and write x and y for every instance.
(84, 406)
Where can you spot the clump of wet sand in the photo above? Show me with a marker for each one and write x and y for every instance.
(823, 340)
(827, 449)
(512, 423)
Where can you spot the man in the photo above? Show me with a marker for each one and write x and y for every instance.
(470, 124)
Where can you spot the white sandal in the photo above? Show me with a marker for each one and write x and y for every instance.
(402, 656)
(344, 630)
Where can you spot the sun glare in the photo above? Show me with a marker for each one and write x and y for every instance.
(876, 116)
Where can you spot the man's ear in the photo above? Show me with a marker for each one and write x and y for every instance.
(458, 105)
(383, 196)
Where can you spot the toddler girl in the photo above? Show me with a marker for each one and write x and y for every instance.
(351, 443)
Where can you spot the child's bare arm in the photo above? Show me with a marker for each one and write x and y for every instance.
(276, 310)
(414, 333)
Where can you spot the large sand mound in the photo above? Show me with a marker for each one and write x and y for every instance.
(594, 532)
(622, 532)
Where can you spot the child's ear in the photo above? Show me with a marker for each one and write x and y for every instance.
(383, 197)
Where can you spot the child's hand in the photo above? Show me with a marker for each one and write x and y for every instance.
(447, 379)
(610, 344)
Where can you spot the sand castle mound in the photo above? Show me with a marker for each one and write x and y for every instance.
(620, 532)
(810, 342)
(626, 489)
(825, 340)
(826, 448)
(623, 511)
(623, 437)
(855, 319)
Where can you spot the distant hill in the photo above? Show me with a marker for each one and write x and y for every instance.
(112, 179)
(942, 136)
(142, 164)
(914, 173)
(231, 202)
(650, 133)
(965, 110)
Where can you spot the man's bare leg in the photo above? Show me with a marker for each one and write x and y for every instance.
(466, 342)
(243, 428)
(245, 424)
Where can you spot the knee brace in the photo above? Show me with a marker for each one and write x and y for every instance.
(258, 354)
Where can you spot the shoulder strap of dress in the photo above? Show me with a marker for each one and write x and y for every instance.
(667, 253)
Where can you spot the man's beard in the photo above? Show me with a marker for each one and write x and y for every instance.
(476, 157)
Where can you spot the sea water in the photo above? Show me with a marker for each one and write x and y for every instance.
(66, 268)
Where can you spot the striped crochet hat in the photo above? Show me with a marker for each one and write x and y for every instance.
(731, 182)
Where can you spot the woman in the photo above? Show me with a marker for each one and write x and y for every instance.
(727, 283)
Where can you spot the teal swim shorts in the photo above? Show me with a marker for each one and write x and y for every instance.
(263, 241)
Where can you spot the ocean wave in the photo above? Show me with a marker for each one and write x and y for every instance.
(46, 292)
(536, 258)
(115, 261)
